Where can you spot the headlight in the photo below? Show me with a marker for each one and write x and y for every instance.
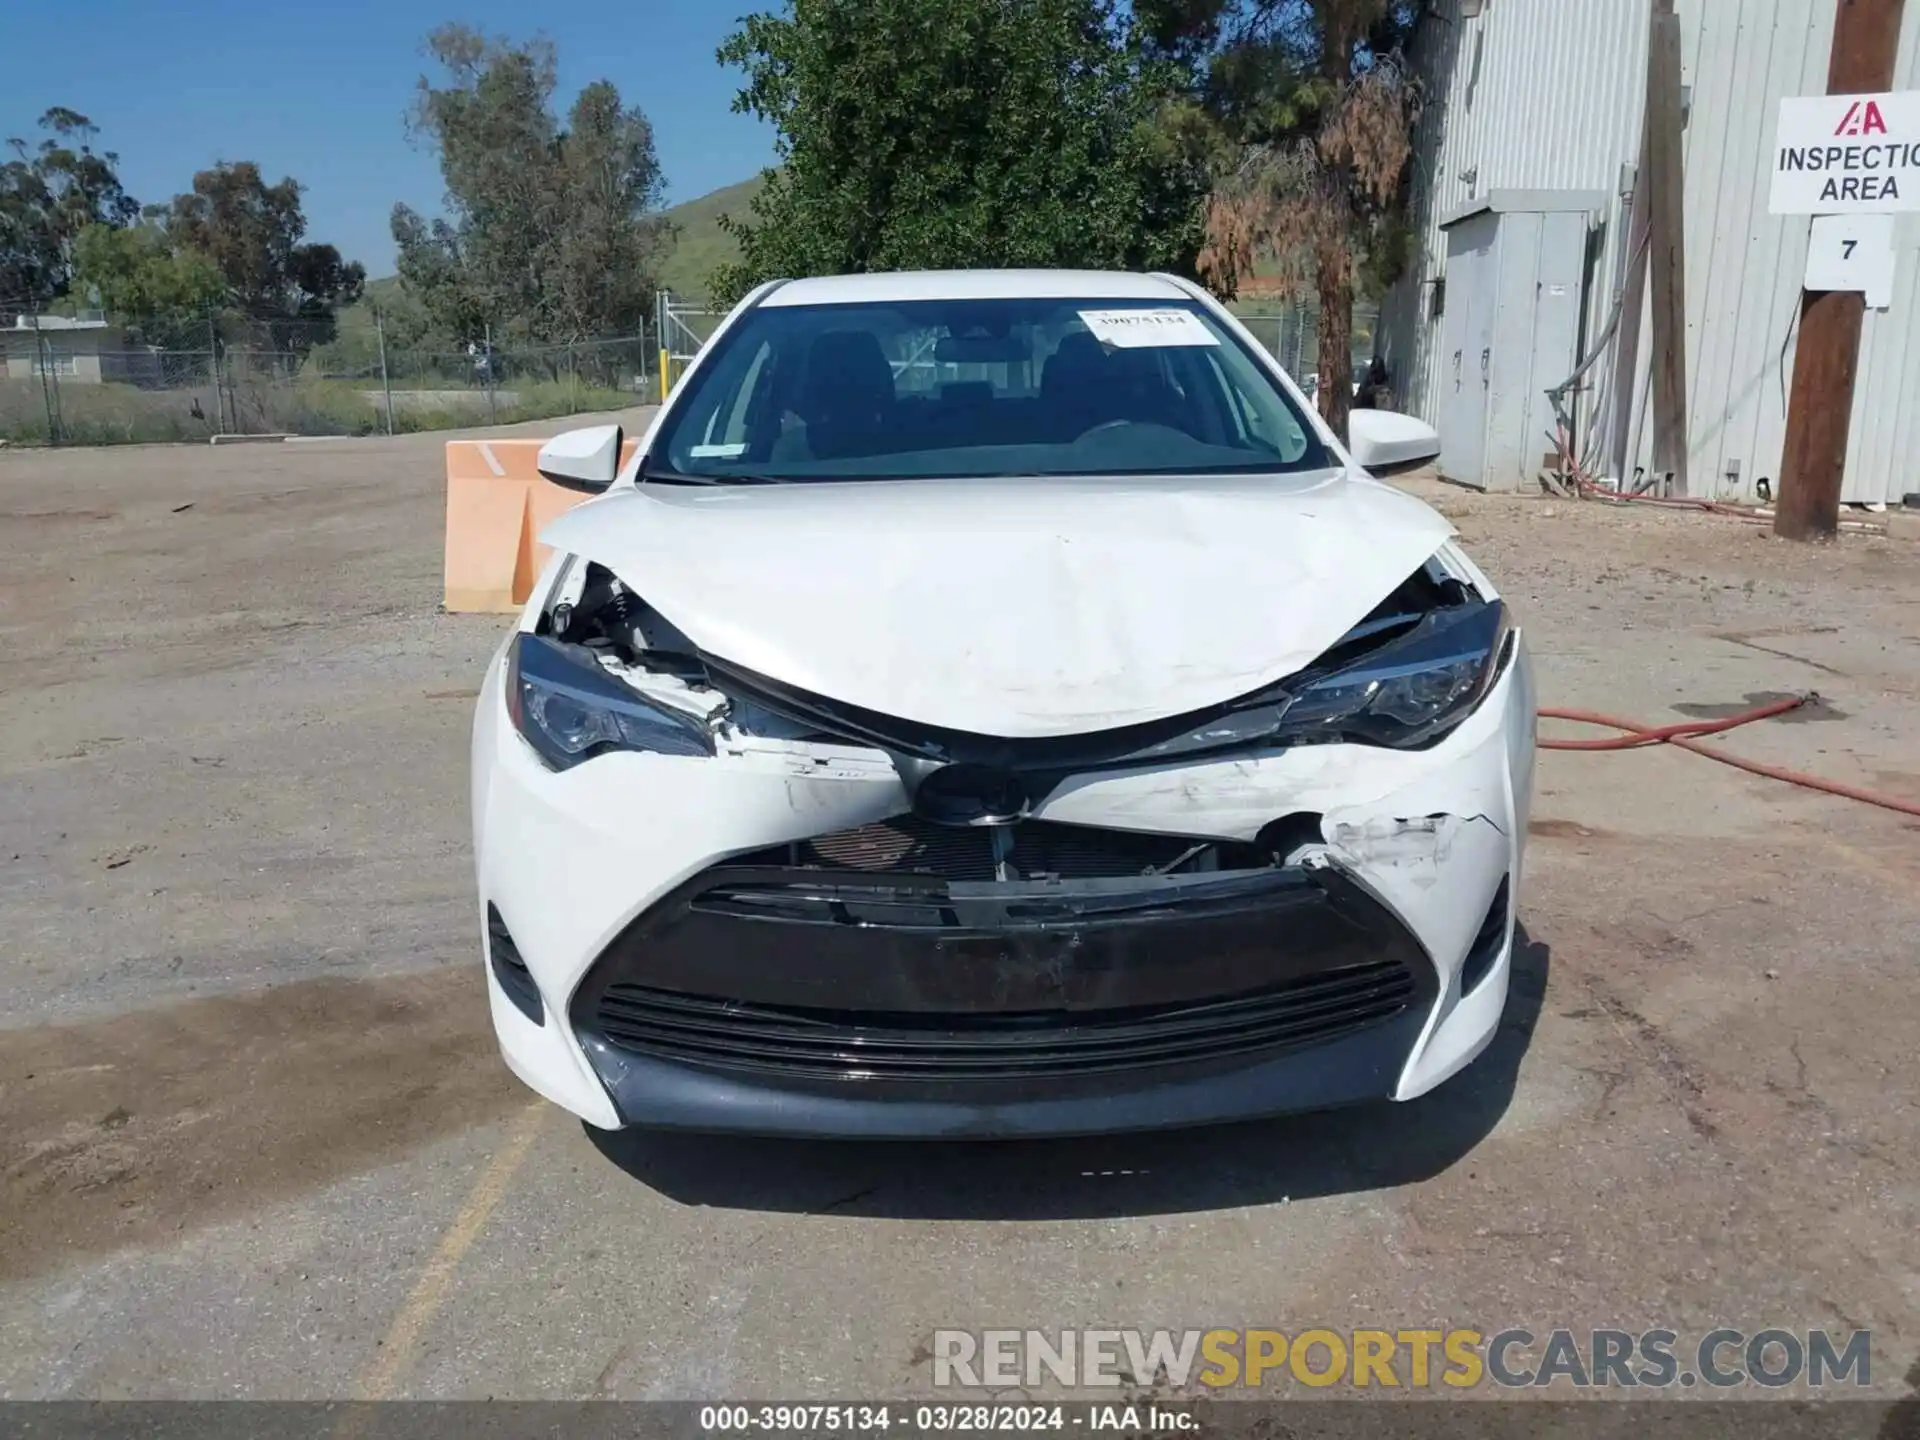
(1410, 691)
(570, 710)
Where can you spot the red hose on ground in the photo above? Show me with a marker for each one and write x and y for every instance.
(1686, 736)
(1591, 491)
(1586, 489)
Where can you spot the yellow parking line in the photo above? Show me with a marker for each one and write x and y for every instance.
(436, 1280)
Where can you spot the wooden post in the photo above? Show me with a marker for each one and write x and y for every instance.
(1626, 341)
(386, 382)
(1866, 36)
(1667, 256)
(213, 373)
(492, 417)
(43, 359)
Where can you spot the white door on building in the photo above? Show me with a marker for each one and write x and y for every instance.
(1466, 356)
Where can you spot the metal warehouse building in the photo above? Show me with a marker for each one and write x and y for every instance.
(1527, 153)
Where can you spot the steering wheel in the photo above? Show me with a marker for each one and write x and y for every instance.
(1103, 426)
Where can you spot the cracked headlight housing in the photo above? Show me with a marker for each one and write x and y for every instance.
(1412, 690)
(569, 709)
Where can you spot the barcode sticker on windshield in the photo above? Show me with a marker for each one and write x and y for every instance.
(1138, 329)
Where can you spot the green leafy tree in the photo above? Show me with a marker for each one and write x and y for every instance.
(49, 193)
(1306, 112)
(143, 277)
(551, 232)
(947, 133)
(285, 291)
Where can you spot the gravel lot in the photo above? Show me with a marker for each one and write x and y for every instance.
(255, 1140)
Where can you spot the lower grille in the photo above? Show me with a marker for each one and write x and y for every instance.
(516, 981)
(1033, 849)
(1486, 944)
(805, 1043)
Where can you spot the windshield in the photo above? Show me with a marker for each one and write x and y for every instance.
(980, 388)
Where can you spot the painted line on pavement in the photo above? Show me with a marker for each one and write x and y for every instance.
(430, 1291)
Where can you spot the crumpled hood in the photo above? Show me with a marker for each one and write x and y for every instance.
(1018, 608)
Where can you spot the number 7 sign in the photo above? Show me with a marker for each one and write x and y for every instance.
(1852, 252)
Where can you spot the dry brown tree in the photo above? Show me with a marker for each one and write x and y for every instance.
(1314, 206)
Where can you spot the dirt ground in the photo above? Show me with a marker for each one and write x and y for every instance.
(255, 1139)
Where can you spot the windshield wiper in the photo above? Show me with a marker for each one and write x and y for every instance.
(675, 477)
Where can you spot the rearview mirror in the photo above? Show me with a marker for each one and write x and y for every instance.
(1385, 442)
(585, 459)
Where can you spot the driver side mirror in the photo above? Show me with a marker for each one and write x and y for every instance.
(1385, 442)
(585, 459)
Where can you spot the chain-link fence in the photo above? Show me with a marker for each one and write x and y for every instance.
(1290, 332)
(81, 380)
(91, 384)
(684, 326)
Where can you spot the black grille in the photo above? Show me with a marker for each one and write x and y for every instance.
(1035, 849)
(511, 971)
(1486, 944)
(933, 1048)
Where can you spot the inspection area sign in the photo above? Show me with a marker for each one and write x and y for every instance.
(1847, 155)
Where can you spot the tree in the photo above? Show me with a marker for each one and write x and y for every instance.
(1312, 112)
(49, 193)
(252, 232)
(550, 233)
(936, 133)
(145, 278)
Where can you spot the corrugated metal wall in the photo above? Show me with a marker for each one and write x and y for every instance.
(1548, 94)
(1528, 95)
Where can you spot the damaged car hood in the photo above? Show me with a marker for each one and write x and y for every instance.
(1019, 607)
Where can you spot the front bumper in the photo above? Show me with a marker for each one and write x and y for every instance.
(771, 1000)
(689, 978)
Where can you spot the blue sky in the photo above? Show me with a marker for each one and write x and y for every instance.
(318, 91)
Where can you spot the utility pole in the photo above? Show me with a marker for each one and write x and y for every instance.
(1626, 342)
(1866, 37)
(1667, 253)
(386, 386)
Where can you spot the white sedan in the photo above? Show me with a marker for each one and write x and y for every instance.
(993, 704)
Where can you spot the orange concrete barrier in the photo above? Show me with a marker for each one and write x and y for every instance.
(497, 505)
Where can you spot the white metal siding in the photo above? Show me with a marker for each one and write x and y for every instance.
(1884, 441)
(1549, 94)
(1528, 95)
(1744, 266)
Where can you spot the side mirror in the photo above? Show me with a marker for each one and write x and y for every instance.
(585, 459)
(1385, 442)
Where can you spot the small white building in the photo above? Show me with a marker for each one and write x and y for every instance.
(1528, 145)
(82, 349)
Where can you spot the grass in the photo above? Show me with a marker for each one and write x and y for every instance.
(127, 415)
(702, 246)
(353, 323)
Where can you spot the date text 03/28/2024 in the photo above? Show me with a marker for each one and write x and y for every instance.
(935, 1418)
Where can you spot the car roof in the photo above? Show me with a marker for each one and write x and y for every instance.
(895, 286)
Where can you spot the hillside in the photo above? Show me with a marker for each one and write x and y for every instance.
(702, 245)
(356, 320)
